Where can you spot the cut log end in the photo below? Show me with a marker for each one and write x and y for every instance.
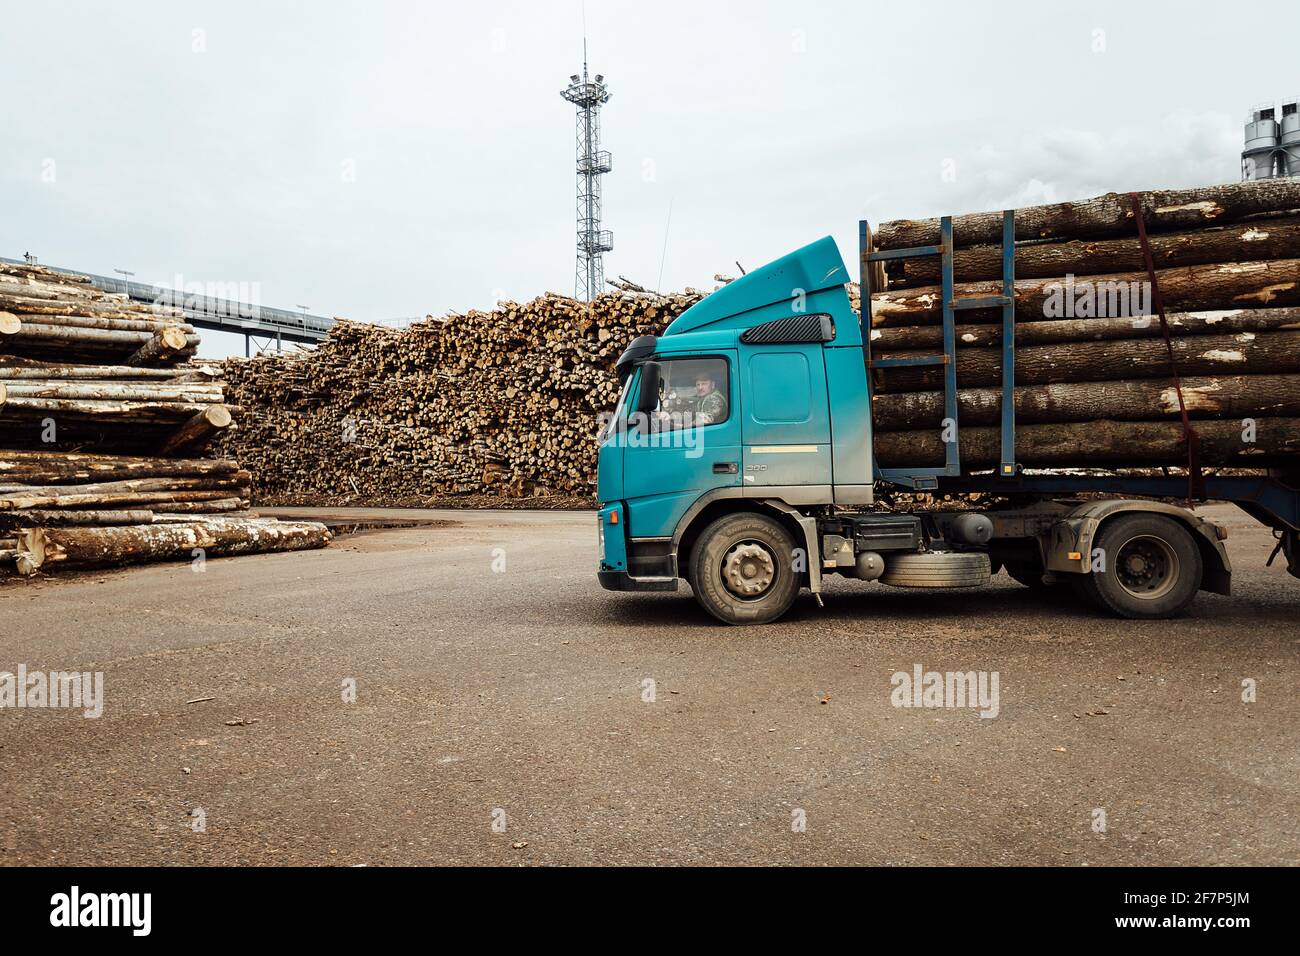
(166, 345)
(198, 429)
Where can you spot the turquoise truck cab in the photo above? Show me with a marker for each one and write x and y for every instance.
(739, 458)
(785, 350)
(782, 348)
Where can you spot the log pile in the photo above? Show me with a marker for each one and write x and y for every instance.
(501, 404)
(1095, 384)
(47, 314)
(103, 422)
(103, 370)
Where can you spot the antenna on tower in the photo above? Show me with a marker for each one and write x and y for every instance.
(589, 95)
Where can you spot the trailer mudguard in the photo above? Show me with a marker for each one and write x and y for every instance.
(1075, 531)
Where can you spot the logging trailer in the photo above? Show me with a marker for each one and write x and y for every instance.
(740, 458)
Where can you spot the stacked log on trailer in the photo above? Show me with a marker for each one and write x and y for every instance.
(103, 423)
(500, 404)
(1094, 380)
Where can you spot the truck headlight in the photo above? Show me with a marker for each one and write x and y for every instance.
(600, 533)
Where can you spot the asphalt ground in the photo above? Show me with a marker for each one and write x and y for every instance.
(508, 711)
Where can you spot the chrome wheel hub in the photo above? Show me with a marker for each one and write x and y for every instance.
(748, 570)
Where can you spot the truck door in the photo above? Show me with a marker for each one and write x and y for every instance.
(787, 430)
(692, 447)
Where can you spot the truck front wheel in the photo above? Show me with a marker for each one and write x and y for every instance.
(743, 569)
(1151, 567)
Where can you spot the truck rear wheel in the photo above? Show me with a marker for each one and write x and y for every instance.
(1152, 567)
(742, 569)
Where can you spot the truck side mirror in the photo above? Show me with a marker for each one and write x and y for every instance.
(651, 382)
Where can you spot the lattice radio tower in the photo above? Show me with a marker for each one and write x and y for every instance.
(588, 95)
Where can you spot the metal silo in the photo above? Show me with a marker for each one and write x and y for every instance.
(1289, 139)
(1259, 158)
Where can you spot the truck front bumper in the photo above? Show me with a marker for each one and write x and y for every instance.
(615, 568)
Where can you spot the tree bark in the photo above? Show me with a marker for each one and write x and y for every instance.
(1100, 443)
(124, 323)
(201, 507)
(48, 311)
(1237, 285)
(47, 370)
(47, 518)
(1245, 242)
(38, 548)
(52, 467)
(204, 483)
(1103, 216)
(1246, 353)
(98, 338)
(1056, 331)
(196, 394)
(167, 411)
(1229, 397)
(64, 283)
(13, 502)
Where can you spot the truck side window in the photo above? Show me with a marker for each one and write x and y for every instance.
(694, 392)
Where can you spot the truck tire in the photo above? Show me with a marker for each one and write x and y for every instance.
(742, 569)
(1152, 567)
(937, 569)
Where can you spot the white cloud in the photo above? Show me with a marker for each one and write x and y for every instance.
(1057, 164)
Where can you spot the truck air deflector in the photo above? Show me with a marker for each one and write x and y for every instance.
(792, 330)
(795, 278)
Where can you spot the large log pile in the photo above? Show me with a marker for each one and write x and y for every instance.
(503, 404)
(103, 421)
(1095, 381)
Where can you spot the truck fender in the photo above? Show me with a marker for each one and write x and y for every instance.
(808, 526)
(1075, 531)
(811, 546)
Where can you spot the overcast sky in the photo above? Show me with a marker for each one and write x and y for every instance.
(384, 160)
